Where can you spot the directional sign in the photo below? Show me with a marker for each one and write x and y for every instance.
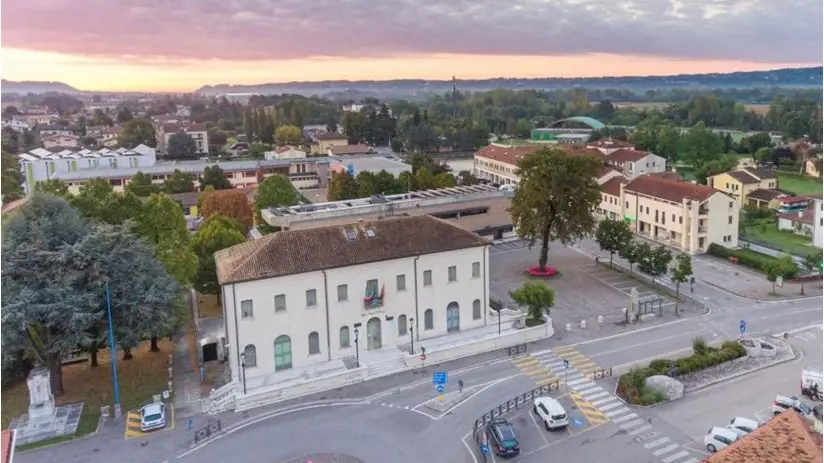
(439, 388)
(743, 326)
(485, 449)
(566, 363)
(439, 377)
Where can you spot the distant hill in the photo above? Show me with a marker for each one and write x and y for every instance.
(25, 87)
(788, 78)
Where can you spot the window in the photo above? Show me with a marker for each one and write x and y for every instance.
(673, 217)
(627, 204)
(311, 297)
(283, 353)
(476, 269)
(400, 282)
(344, 337)
(681, 219)
(476, 309)
(453, 273)
(372, 289)
(402, 325)
(729, 220)
(427, 277)
(428, 320)
(314, 343)
(280, 303)
(730, 204)
(250, 356)
(246, 310)
(647, 209)
(343, 293)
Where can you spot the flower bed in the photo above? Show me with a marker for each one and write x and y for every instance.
(548, 272)
(632, 386)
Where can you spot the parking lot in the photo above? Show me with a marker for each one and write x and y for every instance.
(624, 284)
(133, 423)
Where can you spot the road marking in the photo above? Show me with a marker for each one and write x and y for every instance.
(469, 449)
(450, 409)
(540, 431)
(631, 424)
(590, 389)
(643, 428)
(677, 456)
(692, 460)
(600, 402)
(610, 406)
(597, 396)
(617, 412)
(656, 443)
(665, 450)
(577, 382)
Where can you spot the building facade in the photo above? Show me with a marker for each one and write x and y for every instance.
(683, 215)
(740, 183)
(818, 222)
(632, 163)
(61, 141)
(324, 141)
(196, 131)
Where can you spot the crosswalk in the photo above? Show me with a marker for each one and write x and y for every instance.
(597, 404)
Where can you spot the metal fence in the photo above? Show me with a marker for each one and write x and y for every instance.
(207, 432)
(601, 374)
(515, 403)
(518, 349)
(648, 305)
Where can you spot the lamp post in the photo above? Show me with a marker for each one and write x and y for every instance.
(243, 370)
(412, 336)
(499, 321)
(357, 350)
(113, 353)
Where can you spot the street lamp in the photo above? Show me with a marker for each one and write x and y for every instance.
(113, 353)
(499, 320)
(243, 370)
(411, 336)
(357, 350)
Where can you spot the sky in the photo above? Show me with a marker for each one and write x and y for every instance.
(180, 45)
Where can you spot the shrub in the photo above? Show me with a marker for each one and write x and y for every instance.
(699, 346)
(745, 257)
(660, 366)
(650, 396)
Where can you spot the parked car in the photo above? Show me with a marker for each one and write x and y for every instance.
(152, 416)
(742, 426)
(551, 412)
(502, 438)
(718, 438)
(783, 403)
(811, 383)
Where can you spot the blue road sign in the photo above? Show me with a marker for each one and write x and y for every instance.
(566, 363)
(439, 388)
(485, 449)
(439, 377)
(743, 326)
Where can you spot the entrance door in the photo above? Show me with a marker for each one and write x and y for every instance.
(373, 333)
(210, 352)
(453, 317)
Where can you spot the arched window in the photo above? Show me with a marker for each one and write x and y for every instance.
(344, 337)
(250, 356)
(476, 309)
(314, 343)
(428, 320)
(283, 353)
(402, 325)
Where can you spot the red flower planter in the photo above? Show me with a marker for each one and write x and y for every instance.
(548, 272)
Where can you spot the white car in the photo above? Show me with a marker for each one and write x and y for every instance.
(742, 426)
(718, 438)
(783, 403)
(551, 412)
(152, 416)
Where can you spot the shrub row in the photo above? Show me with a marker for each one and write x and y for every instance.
(632, 385)
(745, 257)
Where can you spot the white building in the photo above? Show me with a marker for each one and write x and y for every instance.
(196, 131)
(40, 164)
(17, 125)
(300, 298)
(285, 152)
(61, 141)
(632, 163)
(818, 221)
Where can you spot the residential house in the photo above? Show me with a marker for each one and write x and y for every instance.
(499, 163)
(786, 438)
(762, 198)
(61, 141)
(53, 129)
(789, 203)
(285, 152)
(740, 183)
(348, 150)
(38, 110)
(324, 141)
(684, 215)
(609, 146)
(36, 119)
(818, 221)
(799, 222)
(304, 297)
(633, 163)
(196, 131)
(17, 125)
(812, 167)
(188, 202)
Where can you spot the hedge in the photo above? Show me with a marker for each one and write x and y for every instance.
(632, 386)
(745, 257)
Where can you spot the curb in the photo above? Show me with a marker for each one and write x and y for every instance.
(780, 299)
(100, 421)
(742, 373)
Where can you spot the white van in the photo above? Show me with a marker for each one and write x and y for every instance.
(551, 412)
(718, 438)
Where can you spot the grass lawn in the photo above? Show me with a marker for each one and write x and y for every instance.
(208, 306)
(783, 240)
(139, 379)
(799, 185)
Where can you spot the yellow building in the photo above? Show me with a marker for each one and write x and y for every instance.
(683, 215)
(740, 183)
(325, 141)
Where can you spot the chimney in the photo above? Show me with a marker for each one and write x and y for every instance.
(800, 214)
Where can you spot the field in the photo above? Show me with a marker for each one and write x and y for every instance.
(769, 234)
(758, 108)
(139, 379)
(799, 185)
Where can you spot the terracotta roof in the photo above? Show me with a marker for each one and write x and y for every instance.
(349, 149)
(787, 438)
(612, 186)
(807, 216)
(761, 173)
(187, 199)
(331, 136)
(762, 194)
(795, 199)
(627, 155)
(670, 190)
(743, 177)
(300, 251)
(611, 144)
(604, 170)
(509, 156)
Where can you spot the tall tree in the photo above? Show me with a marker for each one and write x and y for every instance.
(811, 264)
(681, 273)
(11, 183)
(653, 261)
(233, 204)
(141, 185)
(275, 191)
(342, 186)
(555, 199)
(138, 131)
(181, 146)
(124, 115)
(53, 187)
(213, 176)
(699, 146)
(216, 233)
(288, 135)
(179, 182)
(162, 224)
(612, 236)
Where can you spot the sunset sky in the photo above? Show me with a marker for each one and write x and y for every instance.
(180, 45)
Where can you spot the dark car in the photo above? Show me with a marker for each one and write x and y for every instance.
(502, 438)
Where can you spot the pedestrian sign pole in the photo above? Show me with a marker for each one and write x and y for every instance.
(439, 379)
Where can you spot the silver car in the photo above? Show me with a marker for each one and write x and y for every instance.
(152, 416)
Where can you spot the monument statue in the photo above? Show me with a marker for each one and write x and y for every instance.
(41, 400)
(633, 304)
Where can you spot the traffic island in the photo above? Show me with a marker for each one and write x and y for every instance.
(450, 399)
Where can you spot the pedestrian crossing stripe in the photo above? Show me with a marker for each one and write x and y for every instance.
(535, 370)
(523, 361)
(579, 361)
(593, 415)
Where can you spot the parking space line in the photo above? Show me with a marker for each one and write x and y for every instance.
(469, 449)
(656, 443)
(675, 456)
(666, 449)
(540, 431)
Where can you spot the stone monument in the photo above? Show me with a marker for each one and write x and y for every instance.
(633, 305)
(41, 400)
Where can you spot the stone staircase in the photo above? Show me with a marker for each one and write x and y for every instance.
(387, 367)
